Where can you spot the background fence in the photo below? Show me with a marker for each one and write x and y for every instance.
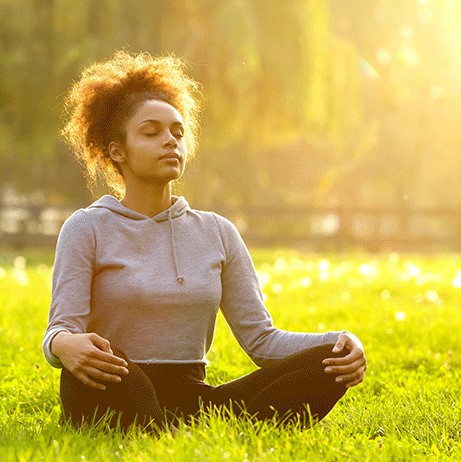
(348, 228)
(320, 228)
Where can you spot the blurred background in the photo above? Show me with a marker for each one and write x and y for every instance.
(331, 125)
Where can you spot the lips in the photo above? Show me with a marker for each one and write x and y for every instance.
(170, 156)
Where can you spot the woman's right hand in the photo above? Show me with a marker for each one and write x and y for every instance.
(89, 357)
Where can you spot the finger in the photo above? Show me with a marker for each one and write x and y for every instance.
(109, 368)
(100, 370)
(93, 373)
(89, 382)
(353, 383)
(339, 345)
(345, 368)
(101, 343)
(349, 358)
(101, 376)
(358, 380)
(109, 358)
(95, 377)
(343, 361)
(348, 377)
(354, 377)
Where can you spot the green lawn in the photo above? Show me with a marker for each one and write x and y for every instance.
(404, 308)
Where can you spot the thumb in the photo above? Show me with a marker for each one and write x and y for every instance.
(340, 344)
(101, 343)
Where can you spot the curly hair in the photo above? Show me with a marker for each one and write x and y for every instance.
(98, 105)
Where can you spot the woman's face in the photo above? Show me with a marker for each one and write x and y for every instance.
(154, 149)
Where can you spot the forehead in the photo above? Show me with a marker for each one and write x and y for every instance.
(153, 109)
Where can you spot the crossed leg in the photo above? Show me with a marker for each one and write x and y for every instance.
(294, 387)
(287, 388)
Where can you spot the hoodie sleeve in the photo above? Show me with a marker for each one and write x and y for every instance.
(72, 278)
(243, 307)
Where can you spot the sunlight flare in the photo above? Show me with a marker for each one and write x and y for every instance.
(400, 316)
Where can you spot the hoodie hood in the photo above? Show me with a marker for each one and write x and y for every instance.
(180, 207)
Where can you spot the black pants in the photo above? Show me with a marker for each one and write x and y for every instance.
(158, 394)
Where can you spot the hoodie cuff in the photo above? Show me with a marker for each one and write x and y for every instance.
(50, 357)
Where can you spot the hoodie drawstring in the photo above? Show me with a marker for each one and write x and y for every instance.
(179, 278)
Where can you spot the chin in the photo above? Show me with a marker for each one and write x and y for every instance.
(161, 179)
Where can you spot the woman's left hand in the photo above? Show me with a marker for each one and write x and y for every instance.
(350, 369)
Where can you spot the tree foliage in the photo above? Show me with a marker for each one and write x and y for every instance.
(267, 71)
(412, 53)
(305, 100)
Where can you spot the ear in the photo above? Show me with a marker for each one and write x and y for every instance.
(116, 152)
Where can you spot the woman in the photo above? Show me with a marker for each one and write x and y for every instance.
(138, 281)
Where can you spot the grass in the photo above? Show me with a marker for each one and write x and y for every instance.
(404, 308)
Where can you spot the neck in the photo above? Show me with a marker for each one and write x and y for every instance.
(149, 199)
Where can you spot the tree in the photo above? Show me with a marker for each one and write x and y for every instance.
(273, 75)
(413, 49)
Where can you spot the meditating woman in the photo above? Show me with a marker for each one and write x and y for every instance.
(139, 275)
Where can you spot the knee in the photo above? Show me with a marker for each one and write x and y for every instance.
(328, 351)
(311, 361)
(320, 352)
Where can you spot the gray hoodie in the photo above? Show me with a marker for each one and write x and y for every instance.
(153, 286)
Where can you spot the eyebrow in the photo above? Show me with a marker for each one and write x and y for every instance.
(153, 121)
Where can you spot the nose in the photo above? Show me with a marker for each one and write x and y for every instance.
(170, 140)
